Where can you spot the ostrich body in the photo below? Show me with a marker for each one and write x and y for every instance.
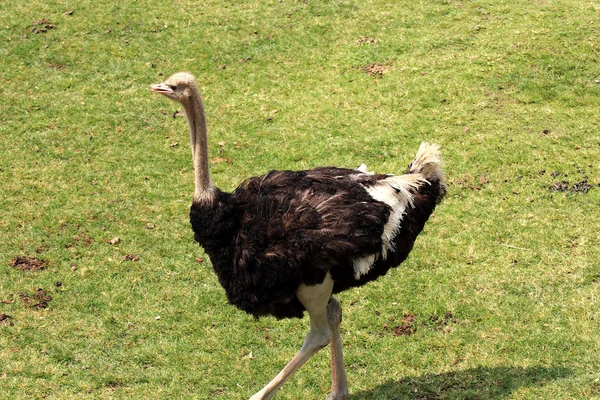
(284, 242)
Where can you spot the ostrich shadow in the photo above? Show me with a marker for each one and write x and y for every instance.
(489, 383)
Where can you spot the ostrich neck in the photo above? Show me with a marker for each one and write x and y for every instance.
(204, 190)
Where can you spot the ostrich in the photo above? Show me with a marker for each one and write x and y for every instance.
(285, 242)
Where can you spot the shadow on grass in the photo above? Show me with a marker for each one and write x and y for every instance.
(490, 383)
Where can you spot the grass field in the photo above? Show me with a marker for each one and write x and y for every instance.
(500, 298)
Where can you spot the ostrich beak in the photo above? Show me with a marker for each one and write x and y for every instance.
(161, 88)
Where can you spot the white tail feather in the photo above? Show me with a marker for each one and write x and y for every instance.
(428, 162)
(397, 192)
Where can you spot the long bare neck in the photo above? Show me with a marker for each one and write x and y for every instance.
(204, 190)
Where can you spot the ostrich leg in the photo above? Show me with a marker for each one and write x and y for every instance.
(339, 385)
(315, 299)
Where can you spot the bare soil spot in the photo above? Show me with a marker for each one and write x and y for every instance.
(365, 40)
(113, 384)
(38, 300)
(407, 326)
(218, 160)
(376, 69)
(130, 257)
(6, 319)
(59, 67)
(560, 186)
(471, 182)
(83, 238)
(25, 263)
(42, 248)
(41, 26)
(582, 186)
(441, 324)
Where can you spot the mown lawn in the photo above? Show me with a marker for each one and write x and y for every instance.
(500, 297)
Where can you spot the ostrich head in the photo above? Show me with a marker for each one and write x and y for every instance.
(179, 87)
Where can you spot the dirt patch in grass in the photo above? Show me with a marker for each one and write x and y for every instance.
(407, 325)
(365, 40)
(41, 26)
(218, 160)
(441, 324)
(25, 263)
(130, 257)
(6, 319)
(38, 300)
(376, 69)
(83, 238)
(582, 186)
(471, 182)
(113, 384)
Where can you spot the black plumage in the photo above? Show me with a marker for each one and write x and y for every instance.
(284, 242)
(288, 228)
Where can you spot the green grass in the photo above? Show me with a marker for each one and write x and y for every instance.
(510, 89)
